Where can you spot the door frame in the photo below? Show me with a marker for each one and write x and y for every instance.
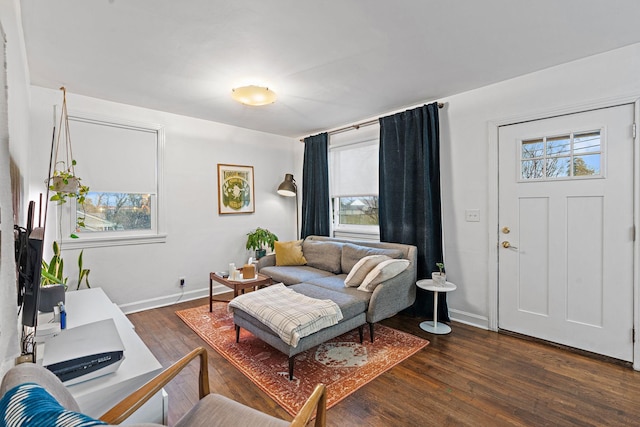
(493, 193)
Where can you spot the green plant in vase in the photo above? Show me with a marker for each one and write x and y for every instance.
(258, 239)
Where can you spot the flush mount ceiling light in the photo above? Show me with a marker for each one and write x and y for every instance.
(253, 95)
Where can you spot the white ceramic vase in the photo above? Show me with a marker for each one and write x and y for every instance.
(439, 279)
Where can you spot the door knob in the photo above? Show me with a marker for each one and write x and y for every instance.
(506, 230)
(508, 245)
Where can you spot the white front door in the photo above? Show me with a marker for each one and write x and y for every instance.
(566, 230)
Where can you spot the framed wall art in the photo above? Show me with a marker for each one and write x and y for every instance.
(235, 189)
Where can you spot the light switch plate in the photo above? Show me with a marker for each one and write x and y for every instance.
(472, 215)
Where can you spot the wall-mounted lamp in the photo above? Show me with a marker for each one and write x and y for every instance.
(288, 188)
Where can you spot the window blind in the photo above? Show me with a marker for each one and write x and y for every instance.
(354, 169)
(115, 158)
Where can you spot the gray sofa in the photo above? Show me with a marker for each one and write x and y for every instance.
(329, 260)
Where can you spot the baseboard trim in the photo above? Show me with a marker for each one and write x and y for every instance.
(164, 301)
(467, 318)
(470, 319)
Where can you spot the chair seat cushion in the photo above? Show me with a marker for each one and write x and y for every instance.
(29, 404)
(215, 410)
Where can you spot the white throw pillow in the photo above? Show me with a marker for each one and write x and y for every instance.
(383, 271)
(362, 268)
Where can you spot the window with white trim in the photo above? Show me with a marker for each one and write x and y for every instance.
(121, 162)
(353, 183)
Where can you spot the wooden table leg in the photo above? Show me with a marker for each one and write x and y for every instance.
(210, 294)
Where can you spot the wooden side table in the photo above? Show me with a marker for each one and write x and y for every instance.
(236, 285)
(435, 327)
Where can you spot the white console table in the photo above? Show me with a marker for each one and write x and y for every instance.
(98, 395)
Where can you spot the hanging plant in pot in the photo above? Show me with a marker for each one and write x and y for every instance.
(65, 185)
(63, 181)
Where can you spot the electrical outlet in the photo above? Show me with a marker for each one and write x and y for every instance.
(182, 280)
(27, 358)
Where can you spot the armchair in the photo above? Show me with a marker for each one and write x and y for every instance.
(211, 409)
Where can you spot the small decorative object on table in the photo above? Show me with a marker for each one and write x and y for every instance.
(439, 278)
(249, 271)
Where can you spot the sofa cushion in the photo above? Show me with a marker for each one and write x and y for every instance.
(289, 253)
(290, 275)
(362, 268)
(335, 283)
(351, 254)
(383, 271)
(323, 255)
(350, 305)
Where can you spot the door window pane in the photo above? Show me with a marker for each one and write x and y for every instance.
(532, 148)
(586, 142)
(532, 169)
(586, 165)
(558, 167)
(558, 145)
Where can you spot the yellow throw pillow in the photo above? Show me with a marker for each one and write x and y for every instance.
(289, 253)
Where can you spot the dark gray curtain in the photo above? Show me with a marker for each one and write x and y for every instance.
(409, 193)
(315, 187)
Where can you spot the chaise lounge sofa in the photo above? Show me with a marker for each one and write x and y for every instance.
(328, 261)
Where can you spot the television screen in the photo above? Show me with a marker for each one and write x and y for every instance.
(31, 278)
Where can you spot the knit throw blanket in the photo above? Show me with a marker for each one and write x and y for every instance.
(289, 314)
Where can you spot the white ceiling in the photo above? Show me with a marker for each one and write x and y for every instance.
(331, 63)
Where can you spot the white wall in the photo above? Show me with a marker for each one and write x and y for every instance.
(468, 161)
(15, 147)
(199, 240)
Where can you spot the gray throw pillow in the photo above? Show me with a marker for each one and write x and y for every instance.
(351, 254)
(323, 255)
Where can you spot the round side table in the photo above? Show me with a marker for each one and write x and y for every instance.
(435, 327)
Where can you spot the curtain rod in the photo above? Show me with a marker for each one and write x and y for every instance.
(361, 124)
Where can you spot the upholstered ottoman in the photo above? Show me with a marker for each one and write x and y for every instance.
(353, 316)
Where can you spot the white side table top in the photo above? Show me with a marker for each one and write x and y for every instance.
(427, 285)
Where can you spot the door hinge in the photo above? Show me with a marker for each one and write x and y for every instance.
(633, 335)
(634, 130)
(633, 233)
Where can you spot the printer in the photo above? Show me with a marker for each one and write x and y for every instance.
(84, 352)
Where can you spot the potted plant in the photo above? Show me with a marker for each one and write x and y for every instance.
(53, 282)
(259, 239)
(439, 277)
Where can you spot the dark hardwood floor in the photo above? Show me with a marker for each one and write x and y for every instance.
(470, 377)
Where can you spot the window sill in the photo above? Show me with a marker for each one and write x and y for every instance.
(98, 242)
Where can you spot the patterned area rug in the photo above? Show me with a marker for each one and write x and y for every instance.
(342, 364)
